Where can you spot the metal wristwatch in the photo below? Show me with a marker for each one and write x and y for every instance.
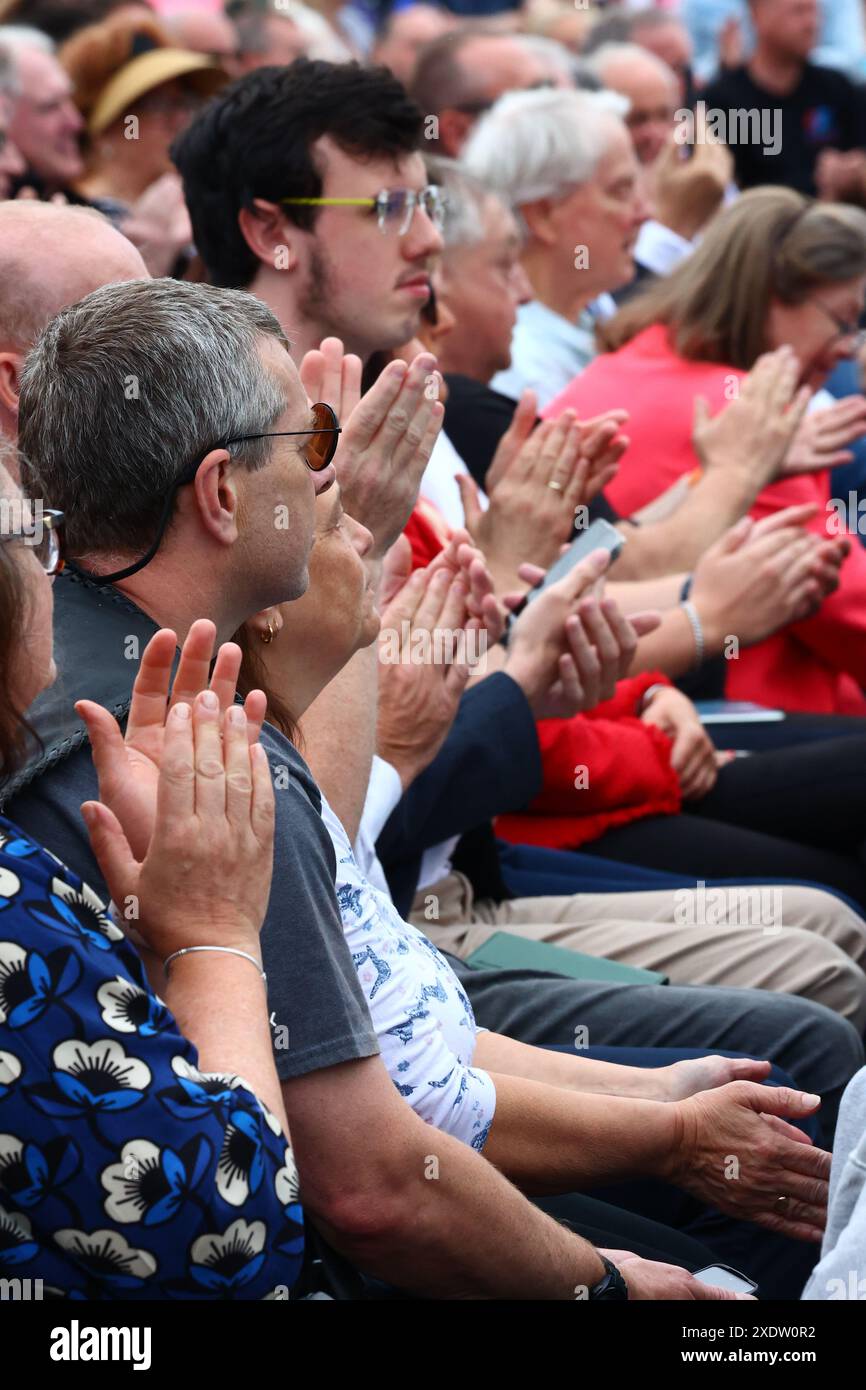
(610, 1289)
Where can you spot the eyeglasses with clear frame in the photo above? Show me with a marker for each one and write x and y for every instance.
(394, 208)
(843, 328)
(42, 536)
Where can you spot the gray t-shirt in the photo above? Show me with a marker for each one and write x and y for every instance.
(319, 1016)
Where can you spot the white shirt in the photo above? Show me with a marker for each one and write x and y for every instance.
(548, 351)
(423, 1019)
(438, 485)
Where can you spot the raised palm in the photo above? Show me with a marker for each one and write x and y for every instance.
(127, 763)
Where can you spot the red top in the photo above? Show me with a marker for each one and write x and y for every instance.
(601, 769)
(818, 665)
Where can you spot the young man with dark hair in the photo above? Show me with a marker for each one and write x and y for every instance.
(305, 186)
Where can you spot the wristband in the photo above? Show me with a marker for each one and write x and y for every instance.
(697, 629)
(227, 950)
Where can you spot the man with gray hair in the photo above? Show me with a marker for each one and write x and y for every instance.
(563, 160)
(46, 124)
(11, 163)
(169, 423)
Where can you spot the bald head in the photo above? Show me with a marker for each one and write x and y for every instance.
(50, 257)
(651, 88)
(53, 256)
(406, 33)
(458, 76)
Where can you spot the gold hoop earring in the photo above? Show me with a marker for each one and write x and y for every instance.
(271, 632)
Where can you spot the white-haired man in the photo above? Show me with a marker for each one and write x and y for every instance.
(565, 162)
(45, 125)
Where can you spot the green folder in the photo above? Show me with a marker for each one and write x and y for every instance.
(505, 951)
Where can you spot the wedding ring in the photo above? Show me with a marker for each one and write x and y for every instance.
(782, 1202)
(557, 487)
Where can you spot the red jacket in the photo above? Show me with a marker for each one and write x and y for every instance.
(818, 665)
(601, 769)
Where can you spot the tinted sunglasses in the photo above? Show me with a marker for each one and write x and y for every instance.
(323, 437)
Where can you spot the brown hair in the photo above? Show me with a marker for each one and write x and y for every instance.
(771, 244)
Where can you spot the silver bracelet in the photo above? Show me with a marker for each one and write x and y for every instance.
(227, 950)
(650, 691)
(697, 630)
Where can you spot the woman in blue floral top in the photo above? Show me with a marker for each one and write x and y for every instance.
(134, 1160)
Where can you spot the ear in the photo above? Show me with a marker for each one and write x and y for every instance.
(538, 216)
(10, 368)
(270, 235)
(214, 496)
(454, 128)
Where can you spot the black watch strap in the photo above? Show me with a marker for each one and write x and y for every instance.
(612, 1288)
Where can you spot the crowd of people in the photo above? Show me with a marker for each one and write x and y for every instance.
(433, 650)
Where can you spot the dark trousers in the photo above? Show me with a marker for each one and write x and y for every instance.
(792, 813)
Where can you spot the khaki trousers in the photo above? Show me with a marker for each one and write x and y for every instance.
(787, 939)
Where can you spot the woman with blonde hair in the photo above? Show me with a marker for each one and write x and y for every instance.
(774, 269)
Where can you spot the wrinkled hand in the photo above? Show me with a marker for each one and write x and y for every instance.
(746, 1122)
(568, 648)
(128, 763)
(532, 507)
(388, 434)
(687, 1078)
(652, 1280)
(687, 193)
(693, 756)
(426, 643)
(205, 878)
(840, 176)
(158, 224)
(755, 432)
(732, 45)
(822, 436)
(758, 578)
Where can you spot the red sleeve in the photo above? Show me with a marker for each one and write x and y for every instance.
(593, 765)
(837, 632)
(423, 539)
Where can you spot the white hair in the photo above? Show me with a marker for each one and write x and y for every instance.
(18, 38)
(610, 53)
(535, 144)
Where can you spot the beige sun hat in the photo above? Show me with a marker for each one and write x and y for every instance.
(149, 70)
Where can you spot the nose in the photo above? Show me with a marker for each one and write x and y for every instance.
(324, 480)
(423, 238)
(73, 119)
(362, 539)
(521, 287)
(12, 160)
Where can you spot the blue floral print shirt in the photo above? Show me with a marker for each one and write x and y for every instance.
(125, 1172)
